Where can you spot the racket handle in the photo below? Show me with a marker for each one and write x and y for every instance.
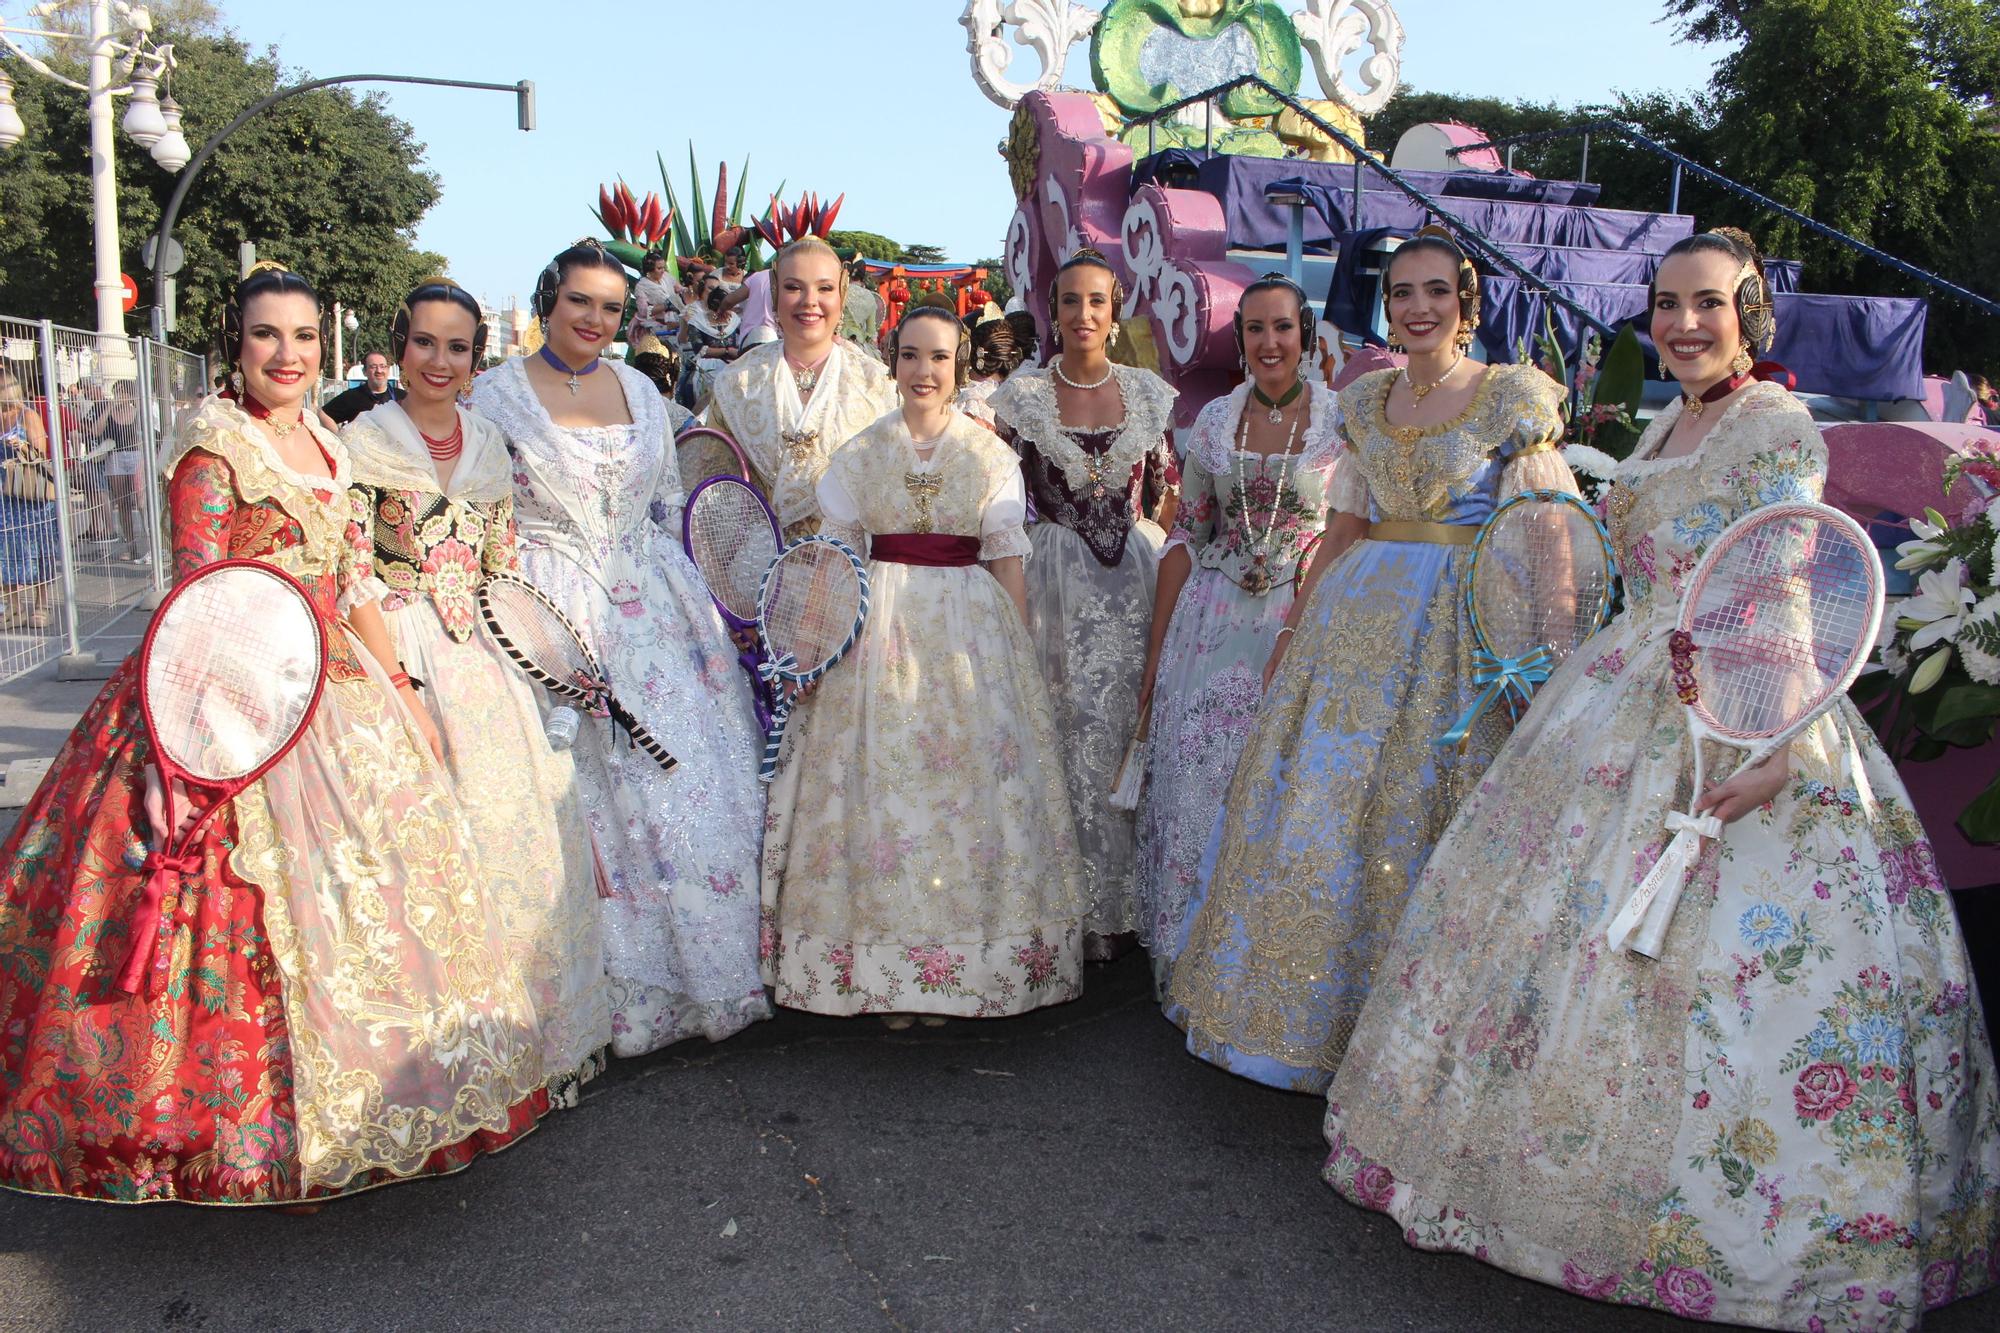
(1641, 924)
(774, 740)
(640, 736)
(561, 727)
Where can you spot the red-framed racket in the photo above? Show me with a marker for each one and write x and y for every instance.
(230, 675)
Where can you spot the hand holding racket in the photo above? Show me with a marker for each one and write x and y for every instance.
(229, 676)
(810, 610)
(732, 537)
(1777, 621)
(1540, 583)
(542, 642)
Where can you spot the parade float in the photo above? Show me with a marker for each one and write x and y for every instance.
(1198, 160)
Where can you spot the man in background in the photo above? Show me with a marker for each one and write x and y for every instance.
(373, 391)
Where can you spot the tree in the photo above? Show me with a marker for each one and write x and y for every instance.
(327, 183)
(996, 283)
(865, 242)
(922, 254)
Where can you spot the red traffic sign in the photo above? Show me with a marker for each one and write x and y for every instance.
(131, 292)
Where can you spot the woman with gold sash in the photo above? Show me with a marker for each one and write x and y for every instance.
(790, 403)
(1341, 789)
(331, 1005)
(433, 500)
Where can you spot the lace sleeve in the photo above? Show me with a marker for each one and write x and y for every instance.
(1533, 447)
(1348, 493)
(1195, 520)
(1000, 531)
(839, 515)
(201, 504)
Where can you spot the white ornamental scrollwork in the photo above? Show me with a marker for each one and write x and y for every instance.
(1159, 288)
(1333, 30)
(1177, 311)
(1145, 254)
(1019, 263)
(1049, 28)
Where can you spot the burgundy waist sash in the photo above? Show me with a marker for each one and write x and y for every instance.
(936, 550)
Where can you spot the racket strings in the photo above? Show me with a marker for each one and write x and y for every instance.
(1541, 580)
(1780, 622)
(812, 604)
(230, 673)
(730, 539)
(538, 633)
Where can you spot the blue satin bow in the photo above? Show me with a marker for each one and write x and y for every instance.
(1496, 677)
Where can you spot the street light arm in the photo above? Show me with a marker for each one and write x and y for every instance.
(257, 108)
(161, 56)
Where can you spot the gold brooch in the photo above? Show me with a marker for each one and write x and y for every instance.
(923, 488)
(800, 444)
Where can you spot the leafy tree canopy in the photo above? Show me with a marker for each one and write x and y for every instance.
(923, 254)
(867, 243)
(326, 183)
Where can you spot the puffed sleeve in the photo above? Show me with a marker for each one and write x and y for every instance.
(1348, 492)
(839, 512)
(358, 585)
(1532, 449)
(201, 503)
(1195, 520)
(1776, 458)
(1001, 533)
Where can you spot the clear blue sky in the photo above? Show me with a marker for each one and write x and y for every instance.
(872, 98)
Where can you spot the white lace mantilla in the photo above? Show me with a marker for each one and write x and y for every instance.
(1027, 403)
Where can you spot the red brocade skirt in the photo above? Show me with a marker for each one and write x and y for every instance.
(133, 1098)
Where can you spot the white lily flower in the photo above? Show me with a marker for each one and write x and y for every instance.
(1931, 671)
(1939, 608)
(1926, 549)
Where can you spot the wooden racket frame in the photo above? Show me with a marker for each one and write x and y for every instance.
(599, 700)
(159, 905)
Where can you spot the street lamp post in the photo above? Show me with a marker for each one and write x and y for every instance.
(133, 68)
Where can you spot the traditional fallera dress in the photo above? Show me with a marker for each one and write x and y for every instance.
(788, 439)
(921, 856)
(1090, 601)
(333, 1007)
(1244, 519)
(1791, 1119)
(679, 849)
(429, 548)
(1341, 789)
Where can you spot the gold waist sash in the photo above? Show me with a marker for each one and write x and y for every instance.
(1438, 534)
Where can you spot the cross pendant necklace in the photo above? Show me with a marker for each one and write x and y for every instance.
(557, 362)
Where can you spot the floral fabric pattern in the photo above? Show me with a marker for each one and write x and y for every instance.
(920, 855)
(1791, 1118)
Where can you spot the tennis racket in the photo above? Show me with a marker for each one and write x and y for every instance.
(542, 642)
(732, 537)
(810, 610)
(704, 452)
(1540, 583)
(229, 675)
(1777, 621)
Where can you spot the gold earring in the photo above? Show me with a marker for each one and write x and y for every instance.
(1464, 337)
(1741, 365)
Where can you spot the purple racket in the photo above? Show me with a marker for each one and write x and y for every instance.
(732, 537)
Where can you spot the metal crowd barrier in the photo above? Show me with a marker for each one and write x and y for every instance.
(84, 422)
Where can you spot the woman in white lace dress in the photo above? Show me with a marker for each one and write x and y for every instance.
(592, 456)
(1254, 480)
(1093, 443)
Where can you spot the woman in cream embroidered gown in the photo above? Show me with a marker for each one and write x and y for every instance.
(679, 849)
(791, 403)
(1791, 1119)
(1245, 516)
(432, 525)
(1093, 443)
(327, 1005)
(921, 857)
(1341, 789)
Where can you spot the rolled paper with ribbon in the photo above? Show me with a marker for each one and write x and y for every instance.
(1673, 866)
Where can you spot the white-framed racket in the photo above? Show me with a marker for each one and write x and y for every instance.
(809, 613)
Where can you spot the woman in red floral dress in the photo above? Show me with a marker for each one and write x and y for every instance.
(332, 1008)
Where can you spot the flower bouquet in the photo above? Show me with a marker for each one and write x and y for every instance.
(1940, 649)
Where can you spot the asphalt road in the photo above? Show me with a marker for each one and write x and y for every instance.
(1070, 1169)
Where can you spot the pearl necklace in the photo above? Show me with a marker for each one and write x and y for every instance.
(1419, 392)
(1257, 580)
(1108, 373)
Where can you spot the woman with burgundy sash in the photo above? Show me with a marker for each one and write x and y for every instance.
(919, 855)
(1093, 443)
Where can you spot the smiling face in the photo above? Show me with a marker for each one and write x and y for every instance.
(590, 305)
(808, 302)
(437, 359)
(1085, 307)
(281, 348)
(1271, 336)
(1423, 300)
(927, 359)
(375, 369)
(1695, 326)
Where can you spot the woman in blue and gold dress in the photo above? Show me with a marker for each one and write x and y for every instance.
(1341, 789)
